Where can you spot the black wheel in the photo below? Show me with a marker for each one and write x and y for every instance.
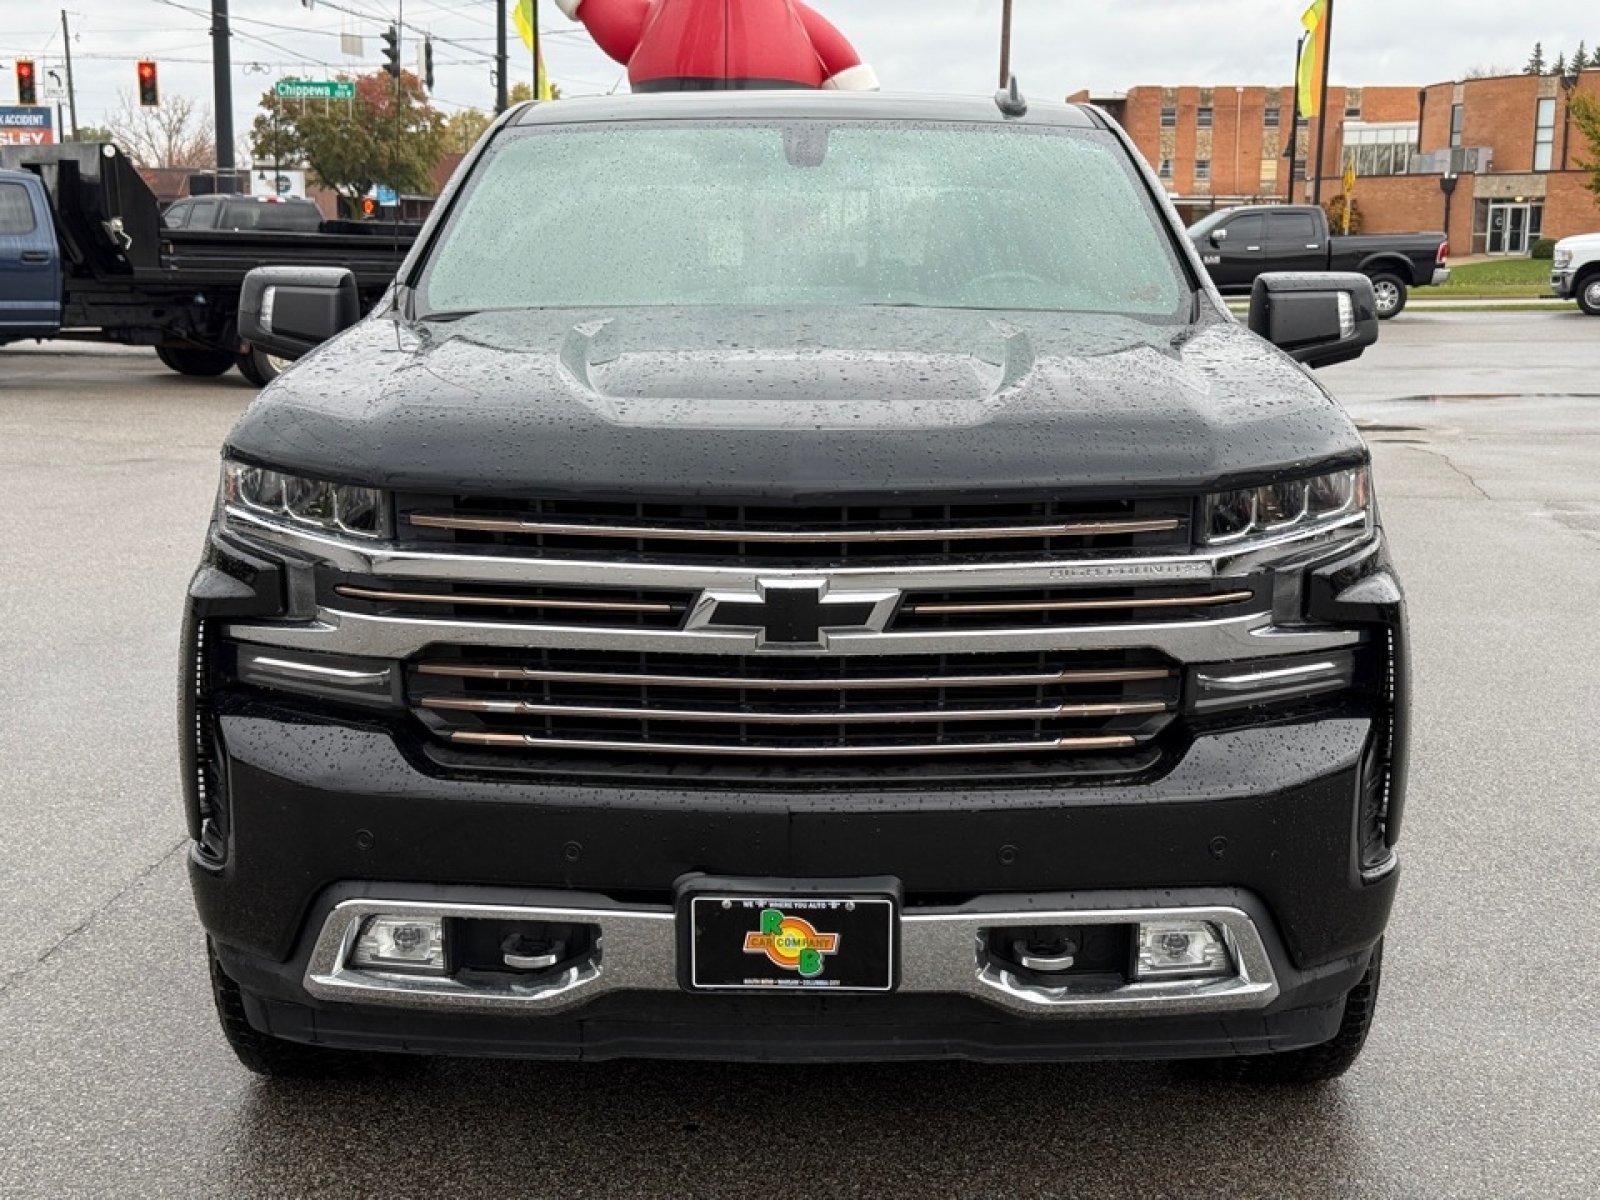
(1390, 292)
(1314, 1064)
(194, 360)
(1589, 294)
(261, 368)
(280, 1059)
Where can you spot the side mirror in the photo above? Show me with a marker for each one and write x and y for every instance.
(1218, 236)
(290, 311)
(1316, 319)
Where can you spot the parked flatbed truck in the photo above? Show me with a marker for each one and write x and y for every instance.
(121, 276)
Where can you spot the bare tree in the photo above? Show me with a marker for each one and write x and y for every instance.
(178, 133)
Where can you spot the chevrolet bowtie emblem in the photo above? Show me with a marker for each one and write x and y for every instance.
(794, 613)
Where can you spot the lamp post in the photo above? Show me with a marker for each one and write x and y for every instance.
(1568, 82)
(1238, 120)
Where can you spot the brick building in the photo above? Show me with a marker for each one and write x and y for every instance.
(1496, 158)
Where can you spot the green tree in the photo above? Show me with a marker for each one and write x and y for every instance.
(463, 129)
(1585, 110)
(1561, 64)
(1536, 62)
(387, 135)
(93, 133)
(1580, 59)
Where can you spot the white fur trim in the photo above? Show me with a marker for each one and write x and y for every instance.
(570, 7)
(859, 78)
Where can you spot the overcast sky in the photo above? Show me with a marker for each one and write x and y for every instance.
(916, 45)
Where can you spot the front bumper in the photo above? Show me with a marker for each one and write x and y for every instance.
(1561, 284)
(1255, 827)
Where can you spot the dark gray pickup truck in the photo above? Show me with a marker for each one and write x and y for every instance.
(829, 580)
(1239, 244)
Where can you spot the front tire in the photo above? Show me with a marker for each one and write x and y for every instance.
(1589, 294)
(261, 368)
(279, 1059)
(1391, 294)
(1313, 1064)
(195, 360)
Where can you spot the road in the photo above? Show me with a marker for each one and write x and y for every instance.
(1478, 1081)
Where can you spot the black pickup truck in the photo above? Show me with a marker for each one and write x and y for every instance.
(119, 274)
(830, 580)
(1239, 244)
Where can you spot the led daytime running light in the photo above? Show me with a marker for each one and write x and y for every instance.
(1278, 509)
(295, 502)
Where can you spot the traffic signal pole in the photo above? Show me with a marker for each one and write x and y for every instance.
(502, 98)
(222, 83)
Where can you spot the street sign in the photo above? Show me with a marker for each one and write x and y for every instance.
(27, 126)
(315, 89)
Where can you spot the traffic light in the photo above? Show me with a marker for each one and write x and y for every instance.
(149, 85)
(391, 51)
(427, 62)
(27, 85)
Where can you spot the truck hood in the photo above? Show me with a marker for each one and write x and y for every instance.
(813, 405)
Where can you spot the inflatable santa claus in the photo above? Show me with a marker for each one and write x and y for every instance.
(705, 45)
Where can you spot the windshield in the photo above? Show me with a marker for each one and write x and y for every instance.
(806, 214)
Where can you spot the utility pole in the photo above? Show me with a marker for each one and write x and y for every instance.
(222, 85)
(502, 99)
(1322, 119)
(1005, 46)
(72, 91)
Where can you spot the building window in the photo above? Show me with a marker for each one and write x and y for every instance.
(1166, 168)
(1544, 135)
(1457, 118)
(1169, 118)
(1202, 116)
(1352, 109)
(1202, 170)
(1380, 149)
(1272, 116)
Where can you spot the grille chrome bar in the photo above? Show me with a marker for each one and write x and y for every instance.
(532, 675)
(997, 609)
(530, 527)
(736, 717)
(530, 602)
(854, 750)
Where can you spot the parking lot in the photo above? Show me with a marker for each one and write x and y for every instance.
(1479, 1079)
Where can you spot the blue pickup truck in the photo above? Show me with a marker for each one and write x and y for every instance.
(30, 263)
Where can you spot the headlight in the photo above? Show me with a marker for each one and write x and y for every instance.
(1563, 259)
(313, 505)
(1340, 501)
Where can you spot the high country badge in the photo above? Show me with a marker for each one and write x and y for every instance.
(791, 943)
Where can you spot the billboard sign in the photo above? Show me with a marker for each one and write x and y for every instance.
(27, 126)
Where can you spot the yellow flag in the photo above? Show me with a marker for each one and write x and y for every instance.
(1313, 58)
(526, 21)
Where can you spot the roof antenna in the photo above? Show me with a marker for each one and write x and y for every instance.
(1011, 101)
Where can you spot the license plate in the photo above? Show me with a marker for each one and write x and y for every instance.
(840, 943)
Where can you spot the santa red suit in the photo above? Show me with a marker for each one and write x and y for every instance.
(703, 45)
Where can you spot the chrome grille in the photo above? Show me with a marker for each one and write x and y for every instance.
(796, 708)
(799, 536)
(1033, 607)
(599, 608)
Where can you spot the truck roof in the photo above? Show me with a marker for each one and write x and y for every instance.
(799, 103)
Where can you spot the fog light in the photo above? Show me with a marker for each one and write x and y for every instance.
(411, 944)
(1181, 949)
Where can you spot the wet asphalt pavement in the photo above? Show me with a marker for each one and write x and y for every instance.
(1480, 1078)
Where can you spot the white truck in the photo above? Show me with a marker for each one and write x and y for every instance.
(1575, 273)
